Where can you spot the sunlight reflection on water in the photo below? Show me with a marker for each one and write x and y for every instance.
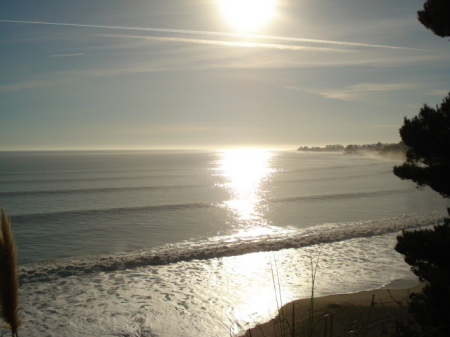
(244, 172)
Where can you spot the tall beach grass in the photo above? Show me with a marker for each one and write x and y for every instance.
(9, 281)
(366, 315)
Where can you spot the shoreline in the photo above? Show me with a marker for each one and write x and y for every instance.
(366, 313)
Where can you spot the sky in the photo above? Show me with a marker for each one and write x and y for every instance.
(162, 74)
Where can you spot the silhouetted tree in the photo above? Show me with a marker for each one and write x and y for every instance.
(428, 159)
(436, 16)
(428, 251)
(428, 164)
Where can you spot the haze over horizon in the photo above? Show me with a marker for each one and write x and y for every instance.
(213, 73)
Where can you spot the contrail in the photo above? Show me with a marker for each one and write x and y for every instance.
(210, 33)
(231, 43)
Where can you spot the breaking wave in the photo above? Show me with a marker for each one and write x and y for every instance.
(222, 246)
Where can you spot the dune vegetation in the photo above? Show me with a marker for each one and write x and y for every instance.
(9, 281)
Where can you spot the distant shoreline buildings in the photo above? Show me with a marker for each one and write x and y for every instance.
(390, 150)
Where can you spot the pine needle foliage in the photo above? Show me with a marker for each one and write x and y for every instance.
(9, 281)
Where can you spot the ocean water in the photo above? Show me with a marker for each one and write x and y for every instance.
(189, 243)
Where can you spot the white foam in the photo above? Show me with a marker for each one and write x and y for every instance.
(222, 246)
(205, 297)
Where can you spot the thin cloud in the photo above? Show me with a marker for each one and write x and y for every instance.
(187, 58)
(387, 126)
(68, 55)
(64, 77)
(358, 91)
(168, 129)
(28, 85)
(438, 92)
(211, 33)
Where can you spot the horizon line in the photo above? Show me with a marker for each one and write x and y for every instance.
(286, 147)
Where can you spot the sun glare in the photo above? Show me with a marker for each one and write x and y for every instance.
(247, 15)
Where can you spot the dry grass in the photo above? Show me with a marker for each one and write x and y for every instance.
(9, 282)
(364, 314)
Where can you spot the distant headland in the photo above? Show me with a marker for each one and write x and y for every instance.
(387, 150)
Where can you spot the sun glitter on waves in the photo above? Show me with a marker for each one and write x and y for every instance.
(244, 171)
(248, 15)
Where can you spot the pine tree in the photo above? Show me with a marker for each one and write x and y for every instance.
(428, 159)
(428, 164)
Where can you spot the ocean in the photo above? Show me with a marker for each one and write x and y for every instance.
(199, 243)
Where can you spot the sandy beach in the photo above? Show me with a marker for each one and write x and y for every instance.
(365, 313)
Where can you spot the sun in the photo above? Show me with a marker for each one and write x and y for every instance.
(248, 15)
